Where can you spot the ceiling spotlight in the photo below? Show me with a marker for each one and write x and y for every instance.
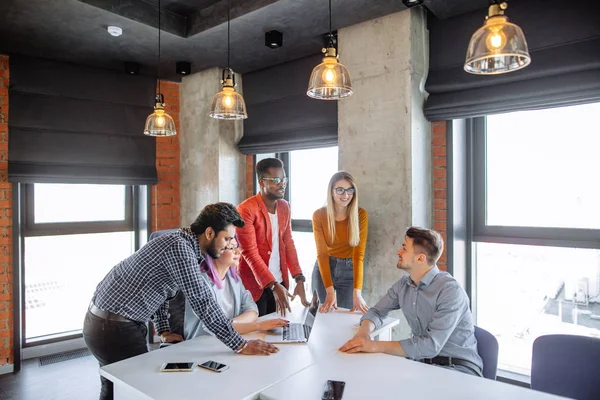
(273, 39)
(114, 31)
(183, 68)
(132, 68)
(412, 3)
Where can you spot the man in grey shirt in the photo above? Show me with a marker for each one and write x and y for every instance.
(435, 306)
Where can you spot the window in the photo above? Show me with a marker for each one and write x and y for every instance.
(309, 172)
(536, 228)
(72, 236)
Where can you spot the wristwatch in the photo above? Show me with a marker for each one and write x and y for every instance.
(300, 278)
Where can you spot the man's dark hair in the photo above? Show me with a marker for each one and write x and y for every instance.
(428, 241)
(263, 165)
(218, 216)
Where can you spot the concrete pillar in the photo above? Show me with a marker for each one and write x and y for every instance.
(384, 136)
(212, 169)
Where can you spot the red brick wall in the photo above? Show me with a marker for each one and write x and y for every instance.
(6, 325)
(166, 202)
(438, 146)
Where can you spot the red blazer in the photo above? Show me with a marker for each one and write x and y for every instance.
(255, 240)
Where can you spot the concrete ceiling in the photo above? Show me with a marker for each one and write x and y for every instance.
(193, 30)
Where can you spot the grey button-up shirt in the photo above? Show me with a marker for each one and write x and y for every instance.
(437, 311)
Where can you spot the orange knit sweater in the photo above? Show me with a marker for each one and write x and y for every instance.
(339, 247)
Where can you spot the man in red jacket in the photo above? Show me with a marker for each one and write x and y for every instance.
(268, 251)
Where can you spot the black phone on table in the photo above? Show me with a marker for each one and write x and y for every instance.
(178, 367)
(214, 366)
(333, 390)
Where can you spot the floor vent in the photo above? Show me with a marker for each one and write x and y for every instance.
(66, 356)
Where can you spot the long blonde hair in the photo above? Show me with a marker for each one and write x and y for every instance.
(351, 210)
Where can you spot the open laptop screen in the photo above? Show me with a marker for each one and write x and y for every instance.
(312, 310)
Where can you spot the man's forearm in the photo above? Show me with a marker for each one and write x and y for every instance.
(393, 348)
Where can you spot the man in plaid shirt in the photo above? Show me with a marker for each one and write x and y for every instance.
(138, 288)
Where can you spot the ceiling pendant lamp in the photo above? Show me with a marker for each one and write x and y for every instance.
(330, 80)
(498, 46)
(228, 104)
(159, 123)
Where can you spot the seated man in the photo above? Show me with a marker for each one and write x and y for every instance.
(221, 276)
(435, 306)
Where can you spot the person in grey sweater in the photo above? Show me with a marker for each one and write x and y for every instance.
(237, 303)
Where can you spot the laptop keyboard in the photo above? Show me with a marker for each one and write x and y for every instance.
(293, 332)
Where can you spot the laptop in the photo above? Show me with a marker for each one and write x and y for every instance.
(296, 332)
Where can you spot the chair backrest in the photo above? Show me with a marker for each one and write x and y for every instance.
(487, 347)
(566, 365)
(156, 234)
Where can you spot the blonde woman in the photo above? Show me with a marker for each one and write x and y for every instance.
(340, 230)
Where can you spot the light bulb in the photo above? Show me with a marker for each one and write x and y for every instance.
(496, 40)
(329, 75)
(160, 121)
(227, 101)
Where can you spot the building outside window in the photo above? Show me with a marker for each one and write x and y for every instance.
(73, 234)
(536, 257)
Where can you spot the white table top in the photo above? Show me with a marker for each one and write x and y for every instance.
(246, 376)
(380, 376)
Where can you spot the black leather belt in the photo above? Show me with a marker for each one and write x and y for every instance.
(448, 361)
(100, 313)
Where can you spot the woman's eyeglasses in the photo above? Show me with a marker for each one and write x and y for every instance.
(340, 191)
(235, 249)
(277, 181)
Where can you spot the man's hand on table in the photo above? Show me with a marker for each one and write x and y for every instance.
(300, 292)
(360, 343)
(168, 337)
(258, 347)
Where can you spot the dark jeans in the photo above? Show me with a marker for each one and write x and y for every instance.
(342, 275)
(266, 303)
(177, 313)
(112, 341)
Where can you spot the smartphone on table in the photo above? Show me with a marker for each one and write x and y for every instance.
(214, 366)
(333, 390)
(178, 367)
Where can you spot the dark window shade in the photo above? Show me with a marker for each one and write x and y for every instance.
(281, 117)
(77, 124)
(564, 44)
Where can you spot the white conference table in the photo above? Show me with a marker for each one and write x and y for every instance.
(381, 376)
(140, 377)
(299, 371)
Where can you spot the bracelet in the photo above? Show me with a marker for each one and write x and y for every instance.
(300, 278)
(243, 347)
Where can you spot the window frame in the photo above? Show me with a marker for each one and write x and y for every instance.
(32, 229)
(537, 236)
(473, 228)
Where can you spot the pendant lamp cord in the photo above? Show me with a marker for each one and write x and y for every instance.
(158, 67)
(228, 32)
(330, 31)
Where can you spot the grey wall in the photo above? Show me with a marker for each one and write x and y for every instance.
(384, 139)
(212, 169)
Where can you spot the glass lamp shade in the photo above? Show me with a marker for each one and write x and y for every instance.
(159, 123)
(228, 104)
(496, 48)
(329, 80)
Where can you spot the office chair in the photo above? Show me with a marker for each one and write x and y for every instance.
(566, 365)
(487, 347)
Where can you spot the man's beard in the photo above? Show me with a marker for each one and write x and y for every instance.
(402, 266)
(213, 251)
(272, 196)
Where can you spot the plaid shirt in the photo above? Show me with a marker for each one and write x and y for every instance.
(139, 286)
